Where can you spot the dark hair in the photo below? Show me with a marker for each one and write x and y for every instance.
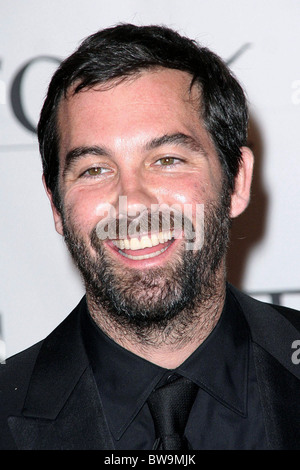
(126, 49)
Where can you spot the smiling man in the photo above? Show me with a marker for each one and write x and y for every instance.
(143, 140)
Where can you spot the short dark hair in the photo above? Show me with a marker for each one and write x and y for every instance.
(126, 49)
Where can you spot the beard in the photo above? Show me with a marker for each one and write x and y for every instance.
(150, 299)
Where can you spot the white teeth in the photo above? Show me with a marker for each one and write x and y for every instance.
(122, 244)
(135, 244)
(126, 244)
(145, 241)
(154, 240)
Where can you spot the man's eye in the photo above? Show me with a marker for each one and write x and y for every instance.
(95, 171)
(167, 161)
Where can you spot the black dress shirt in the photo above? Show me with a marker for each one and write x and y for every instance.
(227, 412)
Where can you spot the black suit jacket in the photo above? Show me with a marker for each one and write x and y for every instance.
(49, 399)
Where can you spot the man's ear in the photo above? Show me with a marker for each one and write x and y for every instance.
(241, 195)
(56, 214)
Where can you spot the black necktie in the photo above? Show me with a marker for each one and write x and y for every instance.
(170, 406)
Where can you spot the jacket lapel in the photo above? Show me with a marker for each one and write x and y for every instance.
(62, 409)
(79, 426)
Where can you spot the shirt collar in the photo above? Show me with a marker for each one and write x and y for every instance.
(219, 366)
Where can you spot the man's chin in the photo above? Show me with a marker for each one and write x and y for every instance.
(141, 297)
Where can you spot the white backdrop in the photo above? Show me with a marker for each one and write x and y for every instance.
(260, 40)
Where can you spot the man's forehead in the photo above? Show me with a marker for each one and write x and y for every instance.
(159, 101)
(179, 83)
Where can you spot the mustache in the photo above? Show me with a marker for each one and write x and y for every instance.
(125, 226)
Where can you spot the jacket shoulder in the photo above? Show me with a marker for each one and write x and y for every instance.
(15, 374)
(273, 328)
(34, 369)
(292, 315)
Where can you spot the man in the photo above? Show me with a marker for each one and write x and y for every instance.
(143, 141)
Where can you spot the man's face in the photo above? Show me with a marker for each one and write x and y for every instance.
(141, 141)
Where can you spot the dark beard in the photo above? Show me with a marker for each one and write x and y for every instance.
(152, 298)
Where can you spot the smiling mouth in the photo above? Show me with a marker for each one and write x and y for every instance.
(145, 247)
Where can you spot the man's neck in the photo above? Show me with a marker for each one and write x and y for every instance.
(171, 346)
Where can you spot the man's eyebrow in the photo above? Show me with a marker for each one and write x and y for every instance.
(178, 138)
(77, 153)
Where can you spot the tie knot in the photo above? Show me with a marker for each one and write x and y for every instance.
(170, 406)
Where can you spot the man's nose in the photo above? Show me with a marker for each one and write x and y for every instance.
(135, 195)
